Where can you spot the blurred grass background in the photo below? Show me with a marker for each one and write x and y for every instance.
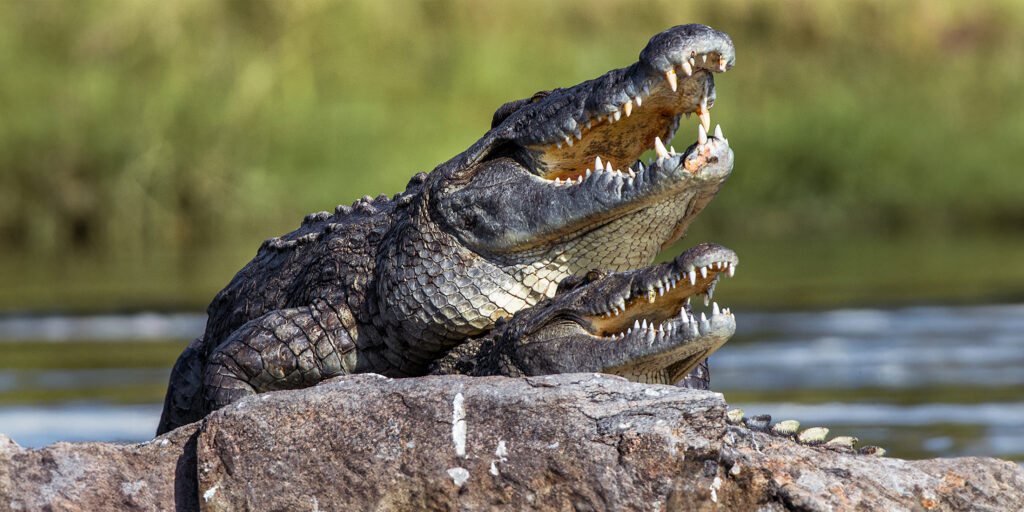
(146, 148)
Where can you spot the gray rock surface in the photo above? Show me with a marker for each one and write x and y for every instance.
(563, 442)
(155, 475)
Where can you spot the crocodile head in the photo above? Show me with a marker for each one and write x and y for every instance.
(637, 324)
(560, 173)
(554, 189)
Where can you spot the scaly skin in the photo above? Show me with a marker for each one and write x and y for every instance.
(389, 285)
(637, 324)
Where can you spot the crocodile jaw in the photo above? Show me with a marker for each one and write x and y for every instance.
(637, 324)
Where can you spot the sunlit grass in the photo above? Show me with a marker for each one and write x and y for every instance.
(135, 394)
(949, 394)
(41, 355)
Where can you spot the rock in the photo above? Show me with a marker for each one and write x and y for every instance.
(581, 441)
(155, 475)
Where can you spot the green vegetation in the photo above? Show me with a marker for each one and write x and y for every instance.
(147, 148)
(41, 355)
(942, 394)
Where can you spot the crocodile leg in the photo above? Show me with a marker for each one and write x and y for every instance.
(283, 349)
(183, 403)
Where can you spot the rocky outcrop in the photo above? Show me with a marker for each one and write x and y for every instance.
(563, 442)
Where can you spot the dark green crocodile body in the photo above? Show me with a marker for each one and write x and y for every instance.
(553, 190)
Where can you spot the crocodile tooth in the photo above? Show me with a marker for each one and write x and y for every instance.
(703, 272)
(707, 299)
(718, 132)
(617, 115)
(732, 270)
(687, 69)
(629, 331)
(559, 144)
(597, 163)
(702, 134)
(622, 307)
(588, 173)
(628, 107)
(558, 181)
(688, 301)
(694, 330)
(636, 324)
(670, 75)
(651, 295)
(568, 140)
(638, 100)
(704, 114)
(588, 124)
(608, 166)
(578, 134)
(672, 150)
(650, 337)
(693, 277)
(704, 58)
(644, 325)
(659, 148)
(722, 63)
(684, 316)
(631, 173)
(710, 293)
(714, 309)
(579, 179)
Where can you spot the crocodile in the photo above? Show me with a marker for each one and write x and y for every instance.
(637, 324)
(554, 189)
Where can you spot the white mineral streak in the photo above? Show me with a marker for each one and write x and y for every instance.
(501, 452)
(715, 484)
(208, 495)
(459, 475)
(459, 427)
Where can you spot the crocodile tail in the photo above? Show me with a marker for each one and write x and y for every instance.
(183, 403)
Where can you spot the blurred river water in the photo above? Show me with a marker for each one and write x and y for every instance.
(921, 381)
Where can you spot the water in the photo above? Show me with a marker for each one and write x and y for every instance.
(921, 381)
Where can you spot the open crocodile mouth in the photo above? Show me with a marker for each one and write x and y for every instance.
(655, 312)
(612, 138)
(662, 304)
